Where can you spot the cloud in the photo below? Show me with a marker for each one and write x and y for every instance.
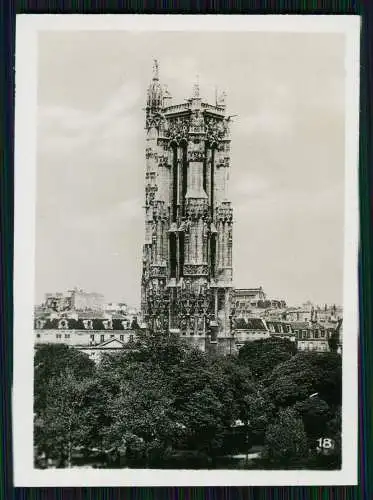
(268, 121)
(249, 185)
(64, 129)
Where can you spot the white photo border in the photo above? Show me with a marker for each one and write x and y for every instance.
(27, 28)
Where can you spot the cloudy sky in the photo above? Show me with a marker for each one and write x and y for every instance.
(287, 171)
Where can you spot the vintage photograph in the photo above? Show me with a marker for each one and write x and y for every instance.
(190, 250)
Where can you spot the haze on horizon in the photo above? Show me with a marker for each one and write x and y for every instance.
(287, 175)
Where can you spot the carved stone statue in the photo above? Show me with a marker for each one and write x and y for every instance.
(197, 120)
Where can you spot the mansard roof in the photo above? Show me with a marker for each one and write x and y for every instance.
(276, 325)
(250, 324)
(81, 324)
(248, 291)
(300, 324)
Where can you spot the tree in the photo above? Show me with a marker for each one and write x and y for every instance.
(262, 356)
(204, 424)
(305, 374)
(328, 367)
(333, 341)
(164, 351)
(52, 361)
(286, 441)
(315, 414)
(143, 420)
(256, 413)
(328, 457)
(60, 428)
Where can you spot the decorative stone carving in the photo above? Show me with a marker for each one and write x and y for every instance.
(224, 213)
(196, 156)
(163, 126)
(196, 209)
(223, 162)
(221, 101)
(197, 123)
(200, 324)
(158, 271)
(196, 269)
(205, 229)
(215, 130)
(159, 211)
(156, 120)
(178, 129)
(163, 161)
(150, 194)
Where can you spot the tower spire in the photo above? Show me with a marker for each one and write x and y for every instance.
(155, 70)
(196, 90)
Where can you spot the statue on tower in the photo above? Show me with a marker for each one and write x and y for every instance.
(197, 121)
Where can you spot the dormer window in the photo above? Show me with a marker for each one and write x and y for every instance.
(63, 324)
(88, 324)
(108, 324)
(40, 324)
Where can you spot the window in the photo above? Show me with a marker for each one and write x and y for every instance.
(58, 336)
(322, 333)
(121, 337)
(131, 338)
(316, 334)
(112, 335)
(102, 338)
(38, 335)
(92, 337)
(67, 335)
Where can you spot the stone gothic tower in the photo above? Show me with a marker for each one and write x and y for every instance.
(187, 255)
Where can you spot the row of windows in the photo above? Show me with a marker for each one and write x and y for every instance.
(63, 324)
(92, 337)
(306, 334)
(311, 347)
(282, 328)
(253, 332)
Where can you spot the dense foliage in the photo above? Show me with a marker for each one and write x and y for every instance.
(166, 405)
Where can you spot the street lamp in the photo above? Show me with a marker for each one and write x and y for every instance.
(232, 316)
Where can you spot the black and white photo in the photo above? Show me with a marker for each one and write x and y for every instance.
(186, 250)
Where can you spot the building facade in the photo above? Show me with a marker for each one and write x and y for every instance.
(75, 299)
(253, 302)
(187, 253)
(82, 331)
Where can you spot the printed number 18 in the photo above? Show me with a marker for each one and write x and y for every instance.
(325, 443)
